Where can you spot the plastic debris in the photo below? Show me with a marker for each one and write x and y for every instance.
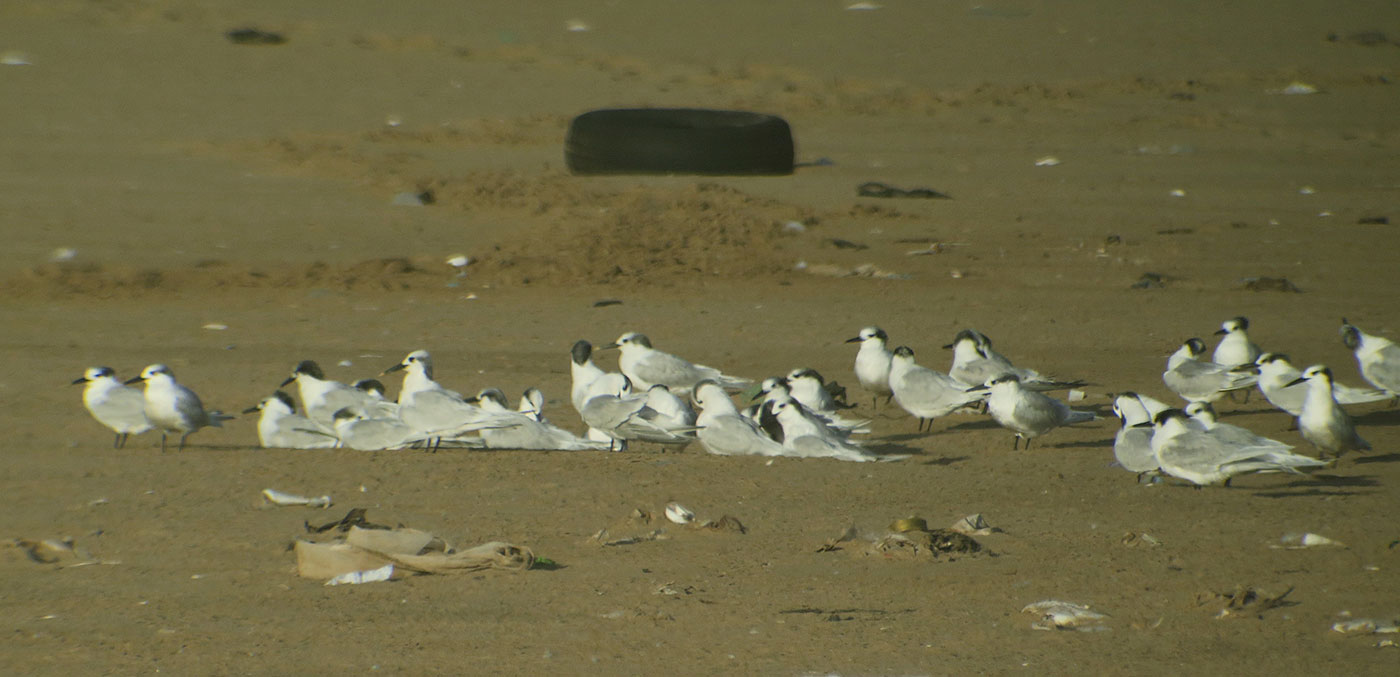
(1244, 601)
(1306, 539)
(14, 58)
(679, 514)
(1296, 87)
(1367, 626)
(1059, 615)
(275, 497)
(974, 525)
(381, 574)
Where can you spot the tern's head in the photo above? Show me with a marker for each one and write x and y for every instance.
(1171, 419)
(154, 372)
(372, 386)
(1001, 383)
(631, 339)
(1315, 374)
(1006, 381)
(491, 397)
(805, 373)
(708, 391)
(1351, 336)
(1193, 348)
(965, 337)
(96, 374)
(1128, 407)
(1203, 412)
(869, 334)
(1233, 325)
(904, 353)
(417, 361)
(305, 368)
(581, 353)
(612, 383)
(345, 415)
(772, 387)
(278, 402)
(1267, 362)
(784, 408)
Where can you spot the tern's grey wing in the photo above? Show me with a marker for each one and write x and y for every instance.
(1350, 395)
(533, 435)
(809, 446)
(668, 370)
(1133, 449)
(933, 393)
(376, 434)
(302, 434)
(976, 372)
(123, 410)
(437, 412)
(1289, 399)
(190, 409)
(1037, 413)
(334, 400)
(732, 435)
(1383, 371)
(606, 412)
(1199, 452)
(1244, 437)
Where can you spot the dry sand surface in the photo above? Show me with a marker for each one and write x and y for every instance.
(201, 182)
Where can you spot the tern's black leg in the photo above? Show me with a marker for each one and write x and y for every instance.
(162, 441)
(117, 443)
(182, 440)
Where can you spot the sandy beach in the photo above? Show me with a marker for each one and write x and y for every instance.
(1121, 179)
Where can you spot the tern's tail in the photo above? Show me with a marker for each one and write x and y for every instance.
(1076, 416)
(217, 418)
(1043, 385)
(733, 384)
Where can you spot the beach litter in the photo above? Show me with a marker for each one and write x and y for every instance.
(1306, 539)
(366, 547)
(1060, 615)
(282, 498)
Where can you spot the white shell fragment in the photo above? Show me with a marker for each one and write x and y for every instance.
(14, 58)
(974, 525)
(1059, 615)
(1177, 192)
(215, 326)
(679, 514)
(276, 497)
(864, 6)
(1047, 161)
(1306, 539)
(367, 576)
(1297, 87)
(63, 254)
(577, 26)
(1370, 626)
(458, 260)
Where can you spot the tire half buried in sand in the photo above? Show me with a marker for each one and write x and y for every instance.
(678, 141)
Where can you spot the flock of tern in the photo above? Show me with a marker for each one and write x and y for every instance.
(660, 398)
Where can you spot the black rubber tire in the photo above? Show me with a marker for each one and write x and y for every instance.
(678, 141)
